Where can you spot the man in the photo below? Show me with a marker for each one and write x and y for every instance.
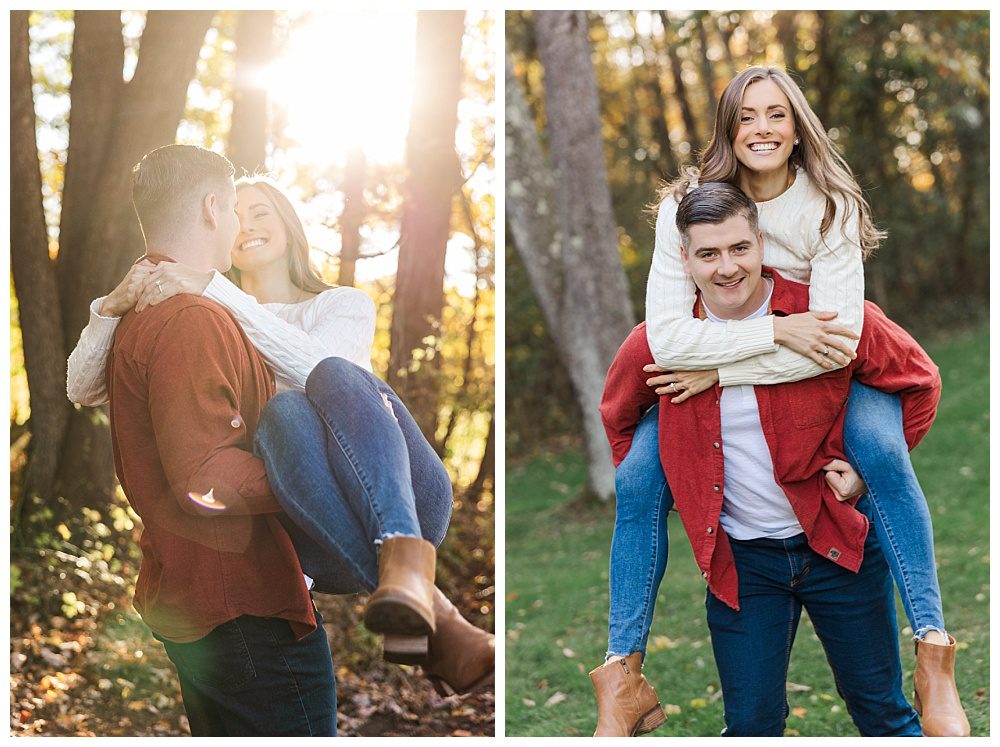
(771, 529)
(219, 584)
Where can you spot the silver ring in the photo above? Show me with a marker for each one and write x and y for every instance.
(673, 386)
(826, 351)
(159, 286)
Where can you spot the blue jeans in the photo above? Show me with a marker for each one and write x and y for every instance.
(873, 438)
(250, 677)
(853, 615)
(350, 468)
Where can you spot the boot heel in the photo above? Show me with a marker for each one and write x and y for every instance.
(652, 719)
(405, 649)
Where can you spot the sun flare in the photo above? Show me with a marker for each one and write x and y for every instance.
(345, 80)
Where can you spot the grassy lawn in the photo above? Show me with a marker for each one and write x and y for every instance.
(557, 587)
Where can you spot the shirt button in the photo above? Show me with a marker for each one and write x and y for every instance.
(716, 444)
(704, 575)
(715, 488)
(711, 529)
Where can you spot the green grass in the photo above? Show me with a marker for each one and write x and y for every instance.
(557, 586)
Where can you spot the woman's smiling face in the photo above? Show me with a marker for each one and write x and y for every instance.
(262, 238)
(765, 135)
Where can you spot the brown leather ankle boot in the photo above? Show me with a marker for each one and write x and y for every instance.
(935, 696)
(462, 657)
(403, 602)
(627, 705)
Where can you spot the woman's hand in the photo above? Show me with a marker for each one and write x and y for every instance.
(845, 482)
(124, 296)
(169, 279)
(811, 334)
(684, 384)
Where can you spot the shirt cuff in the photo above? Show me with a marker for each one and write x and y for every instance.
(222, 290)
(102, 328)
(756, 335)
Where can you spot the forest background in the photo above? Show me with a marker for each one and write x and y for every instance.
(601, 110)
(381, 125)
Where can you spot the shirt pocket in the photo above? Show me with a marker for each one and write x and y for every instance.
(817, 401)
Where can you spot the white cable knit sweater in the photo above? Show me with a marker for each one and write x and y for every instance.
(745, 351)
(293, 338)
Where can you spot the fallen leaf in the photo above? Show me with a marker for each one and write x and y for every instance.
(568, 653)
(799, 712)
(671, 709)
(559, 697)
(528, 702)
(698, 703)
(795, 688)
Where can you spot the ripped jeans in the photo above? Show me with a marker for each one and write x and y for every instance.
(873, 440)
(351, 468)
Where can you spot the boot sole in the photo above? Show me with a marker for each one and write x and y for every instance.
(652, 719)
(405, 649)
(445, 690)
(395, 617)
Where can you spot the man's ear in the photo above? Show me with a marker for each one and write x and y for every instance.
(684, 260)
(209, 210)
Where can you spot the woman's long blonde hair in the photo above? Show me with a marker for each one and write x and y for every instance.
(301, 271)
(815, 154)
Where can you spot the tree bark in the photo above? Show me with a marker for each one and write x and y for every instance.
(248, 132)
(567, 237)
(34, 277)
(353, 216)
(433, 176)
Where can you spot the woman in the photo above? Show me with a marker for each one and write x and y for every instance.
(371, 500)
(817, 228)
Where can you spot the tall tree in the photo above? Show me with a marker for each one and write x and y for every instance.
(353, 215)
(680, 88)
(41, 329)
(567, 237)
(254, 50)
(432, 179)
(112, 124)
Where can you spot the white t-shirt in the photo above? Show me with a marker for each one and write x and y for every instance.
(753, 503)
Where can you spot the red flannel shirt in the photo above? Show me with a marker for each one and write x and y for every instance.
(187, 389)
(803, 425)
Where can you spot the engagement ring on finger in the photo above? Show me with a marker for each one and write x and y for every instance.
(826, 351)
(673, 386)
(159, 286)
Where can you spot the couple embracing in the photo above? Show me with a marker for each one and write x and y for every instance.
(266, 461)
(774, 408)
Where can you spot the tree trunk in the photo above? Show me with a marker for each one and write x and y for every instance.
(34, 278)
(708, 77)
(119, 122)
(567, 238)
(433, 176)
(680, 90)
(656, 107)
(785, 23)
(825, 80)
(487, 470)
(248, 132)
(353, 216)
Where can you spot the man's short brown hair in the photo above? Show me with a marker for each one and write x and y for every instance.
(714, 203)
(169, 182)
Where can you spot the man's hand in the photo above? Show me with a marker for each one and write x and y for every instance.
(684, 384)
(811, 334)
(845, 482)
(169, 279)
(123, 297)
